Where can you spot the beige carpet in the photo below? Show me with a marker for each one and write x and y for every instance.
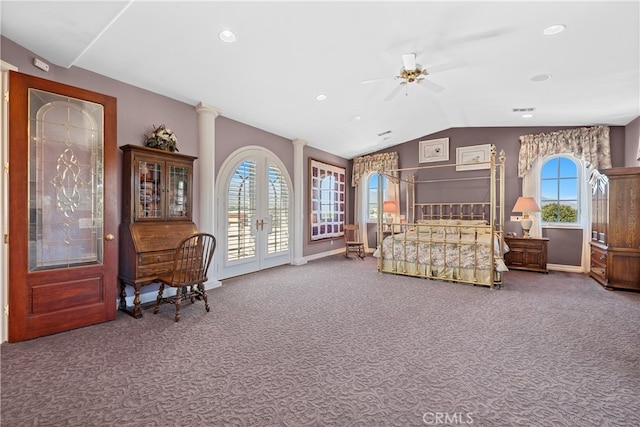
(334, 343)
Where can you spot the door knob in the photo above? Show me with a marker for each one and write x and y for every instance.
(109, 237)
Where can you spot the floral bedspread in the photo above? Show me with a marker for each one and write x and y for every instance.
(455, 251)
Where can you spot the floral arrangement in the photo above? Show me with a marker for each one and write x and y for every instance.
(162, 138)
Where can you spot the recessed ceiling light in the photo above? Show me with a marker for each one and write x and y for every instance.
(526, 116)
(354, 118)
(321, 97)
(540, 77)
(554, 29)
(227, 36)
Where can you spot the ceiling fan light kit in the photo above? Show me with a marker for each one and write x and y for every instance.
(411, 72)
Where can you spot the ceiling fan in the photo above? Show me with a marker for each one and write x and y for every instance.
(411, 72)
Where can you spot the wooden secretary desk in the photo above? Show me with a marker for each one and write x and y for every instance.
(156, 216)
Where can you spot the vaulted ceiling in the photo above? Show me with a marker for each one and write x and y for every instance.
(484, 59)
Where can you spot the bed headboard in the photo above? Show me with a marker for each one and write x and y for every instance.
(432, 211)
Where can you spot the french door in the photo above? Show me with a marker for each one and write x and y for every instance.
(254, 213)
(62, 207)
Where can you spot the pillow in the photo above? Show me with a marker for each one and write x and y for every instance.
(425, 228)
(428, 221)
(473, 222)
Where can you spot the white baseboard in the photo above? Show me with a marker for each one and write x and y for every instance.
(324, 254)
(566, 268)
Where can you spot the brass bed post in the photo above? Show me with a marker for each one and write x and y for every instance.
(379, 225)
(502, 173)
(492, 218)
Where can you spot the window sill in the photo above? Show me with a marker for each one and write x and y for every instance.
(564, 226)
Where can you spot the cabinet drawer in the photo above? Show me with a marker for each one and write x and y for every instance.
(155, 257)
(598, 257)
(599, 271)
(155, 270)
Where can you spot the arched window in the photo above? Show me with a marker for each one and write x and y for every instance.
(372, 195)
(560, 191)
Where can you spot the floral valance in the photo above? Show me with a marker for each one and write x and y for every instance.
(588, 144)
(383, 162)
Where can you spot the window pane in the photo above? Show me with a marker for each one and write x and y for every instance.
(569, 189)
(567, 168)
(549, 169)
(372, 200)
(549, 190)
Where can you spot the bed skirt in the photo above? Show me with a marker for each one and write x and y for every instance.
(463, 275)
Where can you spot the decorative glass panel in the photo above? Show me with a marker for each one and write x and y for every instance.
(178, 191)
(278, 212)
(241, 205)
(150, 205)
(66, 172)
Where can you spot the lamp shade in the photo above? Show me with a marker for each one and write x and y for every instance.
(526, 204)
(389, 206)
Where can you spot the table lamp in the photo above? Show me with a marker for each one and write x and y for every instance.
(389, 207)
(526, 205)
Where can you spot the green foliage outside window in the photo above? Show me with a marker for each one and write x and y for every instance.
(555, 212)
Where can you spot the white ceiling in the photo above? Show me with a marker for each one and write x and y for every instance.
(483, 54)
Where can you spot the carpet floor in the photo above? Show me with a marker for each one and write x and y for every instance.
(334, 343)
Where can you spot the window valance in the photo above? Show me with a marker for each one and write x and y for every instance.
(590, 144)
(374, 163)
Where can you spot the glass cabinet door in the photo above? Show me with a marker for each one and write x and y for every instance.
(179, 196)
(150, 190)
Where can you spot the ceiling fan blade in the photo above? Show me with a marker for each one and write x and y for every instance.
(409, 61)
(395, 91)
(451, 65)
(428, 84)
(365, 82)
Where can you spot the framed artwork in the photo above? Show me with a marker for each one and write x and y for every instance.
(327, 190)
(434, 150)
(473, 157)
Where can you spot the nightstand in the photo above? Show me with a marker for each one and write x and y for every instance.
(527, 254)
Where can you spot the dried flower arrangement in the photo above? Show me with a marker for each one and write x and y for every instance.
(162, 138)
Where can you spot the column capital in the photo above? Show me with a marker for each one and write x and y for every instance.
(299, 141)
(203, 108)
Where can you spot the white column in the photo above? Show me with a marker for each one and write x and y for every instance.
(207, 179)
(298, 201)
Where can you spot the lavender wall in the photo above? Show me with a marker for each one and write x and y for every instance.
(139, 109)
(564, 245)
(632, 147)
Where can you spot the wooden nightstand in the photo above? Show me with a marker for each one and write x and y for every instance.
(527, 254)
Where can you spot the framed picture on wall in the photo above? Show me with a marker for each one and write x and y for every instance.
(473, 157)
(434, 150)
(327, 190)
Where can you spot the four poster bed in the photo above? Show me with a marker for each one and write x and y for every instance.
(459, 242)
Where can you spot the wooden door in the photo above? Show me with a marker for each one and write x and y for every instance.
(62, 209)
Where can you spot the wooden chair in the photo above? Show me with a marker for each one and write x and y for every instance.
(352, 242)
(191, 262)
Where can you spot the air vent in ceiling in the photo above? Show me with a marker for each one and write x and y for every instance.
(387, 132)
(523, 110)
